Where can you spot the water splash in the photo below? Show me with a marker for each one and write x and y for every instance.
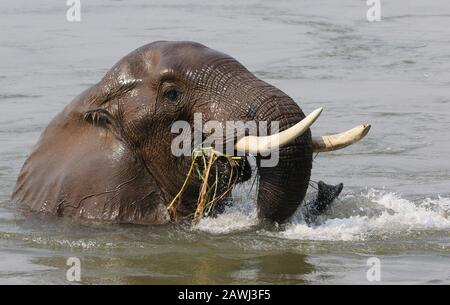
(231, 221)
(371, 215)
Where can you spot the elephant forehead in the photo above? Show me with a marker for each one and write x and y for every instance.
(190, 54)
(165, 56)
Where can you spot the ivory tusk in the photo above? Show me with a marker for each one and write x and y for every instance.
(264, 144)
(340, 140)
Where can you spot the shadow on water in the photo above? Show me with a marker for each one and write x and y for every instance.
(206, 268)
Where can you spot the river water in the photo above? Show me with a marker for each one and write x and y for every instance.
(394, 74)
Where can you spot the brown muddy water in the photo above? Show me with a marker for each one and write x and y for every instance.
(394, 74)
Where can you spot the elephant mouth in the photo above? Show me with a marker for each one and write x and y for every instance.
(242, 169)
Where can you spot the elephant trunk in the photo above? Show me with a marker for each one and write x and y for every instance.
(283, 187)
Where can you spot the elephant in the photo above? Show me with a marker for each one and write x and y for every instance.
(107, 156)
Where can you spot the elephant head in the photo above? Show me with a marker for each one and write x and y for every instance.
(107, 156)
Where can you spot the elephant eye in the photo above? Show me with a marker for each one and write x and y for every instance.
(172, 94)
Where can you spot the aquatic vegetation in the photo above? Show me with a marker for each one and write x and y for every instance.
(203, 161)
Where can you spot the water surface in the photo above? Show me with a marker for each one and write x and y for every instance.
(394, 74)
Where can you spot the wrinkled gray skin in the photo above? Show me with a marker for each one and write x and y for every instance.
(106, 157)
